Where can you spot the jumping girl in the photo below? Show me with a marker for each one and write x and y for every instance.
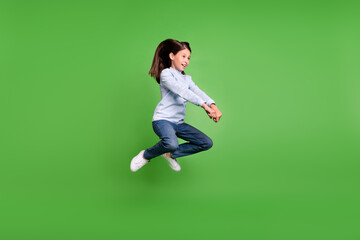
(170, 60)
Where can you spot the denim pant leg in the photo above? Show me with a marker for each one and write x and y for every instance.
(166, 131)
(197, 141)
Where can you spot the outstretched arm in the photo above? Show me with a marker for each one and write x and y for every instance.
(216, 115)
(199, 92)
(167, 80)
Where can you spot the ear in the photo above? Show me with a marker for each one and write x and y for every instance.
(171, 56)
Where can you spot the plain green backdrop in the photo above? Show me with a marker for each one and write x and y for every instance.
(77, 104)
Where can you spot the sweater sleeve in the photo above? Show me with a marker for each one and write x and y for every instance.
(199, 92)
(168, 80)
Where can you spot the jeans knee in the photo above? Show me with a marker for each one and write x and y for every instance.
(171, 146)
(207, 144)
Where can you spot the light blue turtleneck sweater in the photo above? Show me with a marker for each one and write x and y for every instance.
(176, 90)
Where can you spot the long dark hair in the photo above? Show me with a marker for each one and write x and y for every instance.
(161, 58)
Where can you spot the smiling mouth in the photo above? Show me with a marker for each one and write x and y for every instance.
(183, 65)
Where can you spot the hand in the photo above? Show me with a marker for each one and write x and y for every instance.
(210, 112)
(218, 114)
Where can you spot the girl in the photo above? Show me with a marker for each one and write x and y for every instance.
(170, 60)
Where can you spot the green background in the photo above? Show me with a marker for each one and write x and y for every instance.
(77, 104)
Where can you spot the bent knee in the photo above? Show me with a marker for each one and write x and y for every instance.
(171, 146)
(207, 144)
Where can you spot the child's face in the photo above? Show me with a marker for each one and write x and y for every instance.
(180, 60)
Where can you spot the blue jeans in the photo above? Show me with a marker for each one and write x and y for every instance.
(168, 132)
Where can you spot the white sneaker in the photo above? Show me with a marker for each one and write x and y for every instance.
(138, 161)
(172, 162)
